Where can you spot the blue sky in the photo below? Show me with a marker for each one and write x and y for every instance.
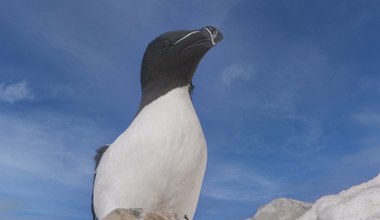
(289, 100)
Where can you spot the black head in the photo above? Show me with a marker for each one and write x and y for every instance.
(171, 59)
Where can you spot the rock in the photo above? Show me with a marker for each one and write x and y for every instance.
(358, 202)
(282, 209)
(120, 214)
(140, 214)
(361, 202)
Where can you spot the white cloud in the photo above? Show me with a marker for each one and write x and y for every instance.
(236, 71)
(15, 92)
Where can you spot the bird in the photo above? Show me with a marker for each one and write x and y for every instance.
(159, 161)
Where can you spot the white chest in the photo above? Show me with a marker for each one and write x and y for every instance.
(157, 163)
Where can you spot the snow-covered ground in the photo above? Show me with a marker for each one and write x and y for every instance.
(361, 202)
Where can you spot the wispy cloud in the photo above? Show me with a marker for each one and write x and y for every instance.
(363, 157)
(368, 119)
(234, 72)
(236, 183)
(367, 154)
(46, 158)
(9, 205)
(306, 136)
(366, 157)
(12, 93)
(63, 143)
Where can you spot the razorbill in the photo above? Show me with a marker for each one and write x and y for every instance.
(159, 162)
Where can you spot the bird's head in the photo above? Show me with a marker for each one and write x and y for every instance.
(171, 59)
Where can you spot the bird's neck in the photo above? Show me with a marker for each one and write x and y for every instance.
(150, 94)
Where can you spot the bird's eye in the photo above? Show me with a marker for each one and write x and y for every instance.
(167, 44)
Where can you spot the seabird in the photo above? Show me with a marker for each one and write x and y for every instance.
(159, 162)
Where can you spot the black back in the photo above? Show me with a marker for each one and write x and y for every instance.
(97, 157)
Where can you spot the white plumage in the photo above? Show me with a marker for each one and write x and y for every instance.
(158, 163)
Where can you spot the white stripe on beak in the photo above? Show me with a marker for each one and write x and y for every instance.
(212, 36)
(184, 37)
